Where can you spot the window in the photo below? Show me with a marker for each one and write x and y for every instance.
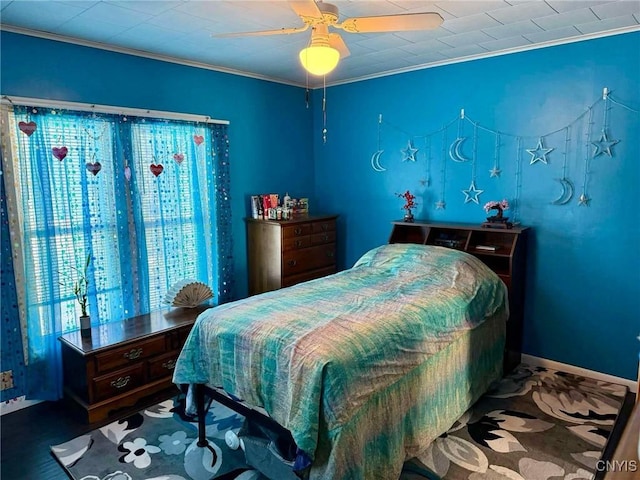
(136, 193)
(174, 204)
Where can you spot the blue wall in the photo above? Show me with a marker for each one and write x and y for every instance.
(583, 281)
(584, 262)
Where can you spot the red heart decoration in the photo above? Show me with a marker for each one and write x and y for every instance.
(156, 169)
(178, 157)
(27, 128)
(93, 167)
(198, 139)
(60, 153)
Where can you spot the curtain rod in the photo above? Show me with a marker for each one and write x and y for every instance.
(87, 107)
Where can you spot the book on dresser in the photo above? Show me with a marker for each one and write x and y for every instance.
(281, 253)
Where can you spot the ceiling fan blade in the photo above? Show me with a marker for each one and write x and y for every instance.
(306, 9)
(392, 23)
(337, 42)
(279, 31)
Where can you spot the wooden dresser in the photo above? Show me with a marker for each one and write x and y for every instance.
(124, 365)
(502, 250)
(282, 253)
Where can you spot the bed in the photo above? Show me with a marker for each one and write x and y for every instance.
(365, 367)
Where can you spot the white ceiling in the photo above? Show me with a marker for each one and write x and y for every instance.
(181, 30)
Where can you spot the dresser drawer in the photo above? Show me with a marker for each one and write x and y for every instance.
(297, 230)
(327, 226)
(163, 365)
(107, 386)
(120, 357)
(325, 237)
(293, 243)
(299, 261)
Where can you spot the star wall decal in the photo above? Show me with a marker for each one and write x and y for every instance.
(494, 172)
(440, 205)
(472, 193)
(603, 145)
(583, 200)
(539, 154)
(424, 182)
(409, 153)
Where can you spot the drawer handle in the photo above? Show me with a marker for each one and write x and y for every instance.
(293, 263)
(330, 254)
(170, 365)
(120, 382)
(325, 237)
(324, 227)
(298, 243)
(297, 231)
(133, 354)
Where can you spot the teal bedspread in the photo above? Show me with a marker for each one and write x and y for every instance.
(365, 367)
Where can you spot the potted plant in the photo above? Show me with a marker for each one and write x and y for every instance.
(499, 207)
(409, 205)
(80, 290)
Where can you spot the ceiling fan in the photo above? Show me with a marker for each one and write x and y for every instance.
(326, 48)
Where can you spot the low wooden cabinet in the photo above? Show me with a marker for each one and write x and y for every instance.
(282, 253)
(124, 364)
(502, 250)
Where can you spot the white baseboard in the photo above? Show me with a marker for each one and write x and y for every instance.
(16, 404)
(565, 367)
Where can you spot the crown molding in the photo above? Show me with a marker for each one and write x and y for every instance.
(205, 66)
(140, 53)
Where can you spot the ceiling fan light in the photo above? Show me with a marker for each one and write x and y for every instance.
(319, 59)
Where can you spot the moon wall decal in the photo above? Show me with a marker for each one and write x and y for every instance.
(454, 150)
(375, 162)
(567, 192)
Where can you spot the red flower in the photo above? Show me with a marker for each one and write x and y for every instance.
(409, 200)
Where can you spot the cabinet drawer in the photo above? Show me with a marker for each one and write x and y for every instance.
(135, 352)
(163, 365)
(326, 237)
(319, 227)
(298, 230)
(299, 261)
(113, 384)
(293, 243)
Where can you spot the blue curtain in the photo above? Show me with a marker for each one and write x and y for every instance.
(146, 199)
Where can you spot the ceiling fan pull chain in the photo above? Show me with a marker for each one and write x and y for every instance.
(324, 109)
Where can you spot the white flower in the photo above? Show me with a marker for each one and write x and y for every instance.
(138, 452)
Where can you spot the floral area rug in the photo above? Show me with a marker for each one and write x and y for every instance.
(535, 424)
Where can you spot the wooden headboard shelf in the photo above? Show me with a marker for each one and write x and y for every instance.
(502, 250)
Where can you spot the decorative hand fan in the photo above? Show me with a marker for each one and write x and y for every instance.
(188, 293)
